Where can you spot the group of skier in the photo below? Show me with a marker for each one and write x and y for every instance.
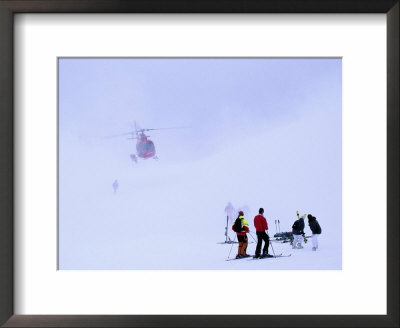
(298, 231)
(241, 227)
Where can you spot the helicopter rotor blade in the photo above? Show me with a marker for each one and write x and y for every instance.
(137, 130)
(173, 128)
(121, 135)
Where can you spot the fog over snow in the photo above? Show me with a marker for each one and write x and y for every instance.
(253, 132)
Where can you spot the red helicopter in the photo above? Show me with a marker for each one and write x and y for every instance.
(144, 146)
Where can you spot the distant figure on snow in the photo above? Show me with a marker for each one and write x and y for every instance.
(298, 232)
(261, 225)
(230, 212)
(315, 229)
(241, 227)
(115, 186)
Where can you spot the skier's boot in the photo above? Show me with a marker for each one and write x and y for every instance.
(239, 256)
(314, 248)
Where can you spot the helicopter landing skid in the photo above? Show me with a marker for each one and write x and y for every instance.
(156, 158)
(134, 158)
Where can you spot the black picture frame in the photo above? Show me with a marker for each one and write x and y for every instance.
(10, 7)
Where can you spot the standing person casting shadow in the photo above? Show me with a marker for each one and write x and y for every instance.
(298, 232)
(261, 225)
(241, 227)
(315, 229)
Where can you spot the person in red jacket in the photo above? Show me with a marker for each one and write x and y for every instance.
(241, 227)
(261, 226)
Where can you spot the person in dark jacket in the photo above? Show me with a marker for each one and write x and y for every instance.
(261, 225)
(315, 229)
(298, 232)
(241, 235)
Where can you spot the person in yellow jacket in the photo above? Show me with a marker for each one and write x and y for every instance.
(241, 227)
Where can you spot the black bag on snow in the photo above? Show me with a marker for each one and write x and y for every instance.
(237, 226)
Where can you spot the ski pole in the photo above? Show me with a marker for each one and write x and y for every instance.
(276, 227)
(272, 247)
(226, 229)
(279, 226)
(232, 246)
(252, 237)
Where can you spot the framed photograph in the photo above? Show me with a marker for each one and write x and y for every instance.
(157, 156)
(147, 179)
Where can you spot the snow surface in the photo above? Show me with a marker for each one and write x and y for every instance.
(277, 147)
(172, 235)
(125, 230)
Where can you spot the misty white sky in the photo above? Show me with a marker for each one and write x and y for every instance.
(259, 133)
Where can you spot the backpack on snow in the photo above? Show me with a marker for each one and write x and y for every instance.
(296, 225)
(237, 226)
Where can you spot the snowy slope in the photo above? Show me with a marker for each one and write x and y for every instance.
(176, 221)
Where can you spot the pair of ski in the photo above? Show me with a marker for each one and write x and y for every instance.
(249, 258)
(268, 256)
(233, 242)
